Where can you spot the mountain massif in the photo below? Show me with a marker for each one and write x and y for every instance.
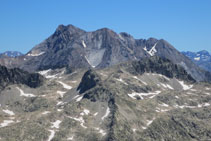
(201, 58)
(72, 47)
(103, 86)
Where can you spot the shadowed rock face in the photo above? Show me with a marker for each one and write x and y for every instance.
(18, 76)
(72, 47)
(89, 80)
(161, 66)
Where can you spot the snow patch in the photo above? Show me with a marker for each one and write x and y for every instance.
(206, 104)
(51, 135)
(79, 98)
(56, 124)
(44, 72)
(76, 96)
(152, 51)
(207, 93)
(46, 112)
(65, 85)
(140, 80)
(60, 103)
(24, 94)
(6, 123)
(106, 114)
(48, 76)
(59, 110)
(61, 93)
(134, 94)
(35, 54)
(207, 88)
(11, 113)
(198, 106)
(164, 105)
(120, 80)
(160, 75)
(103, 74)
(161, 110)
(83, 43)
(185, 87)
(149, 122)
(167, 86)
(193, 90)
(144, 127)
(85, 112)
(81, 120)
(197, 58)
(176, 97)
(70, 138)
(102, 132)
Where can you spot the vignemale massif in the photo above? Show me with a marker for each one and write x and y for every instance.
(101, 85)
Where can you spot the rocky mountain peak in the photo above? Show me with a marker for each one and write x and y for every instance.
(76, 48)
(125, 35)
(204, 52)
(66, 32)
(89, 80)
(71, 28)
(106, 32)
(152, 40)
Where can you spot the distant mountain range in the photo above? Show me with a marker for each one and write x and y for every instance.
(10, 54)
(201, 58)
(75, 48)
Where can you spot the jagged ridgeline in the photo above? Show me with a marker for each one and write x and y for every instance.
(160, 66)
(75, 48)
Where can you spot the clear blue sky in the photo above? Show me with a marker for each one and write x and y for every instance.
(186, 24)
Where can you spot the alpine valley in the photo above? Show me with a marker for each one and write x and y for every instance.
(103, 86)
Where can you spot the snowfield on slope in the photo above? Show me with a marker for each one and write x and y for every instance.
(25, 94)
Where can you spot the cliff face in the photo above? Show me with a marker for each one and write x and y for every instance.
(18, 76)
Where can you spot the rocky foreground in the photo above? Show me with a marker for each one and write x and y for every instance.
(122, 102)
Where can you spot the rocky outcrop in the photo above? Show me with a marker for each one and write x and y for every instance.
(161, 66)
(88, 81)
(18, 76)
